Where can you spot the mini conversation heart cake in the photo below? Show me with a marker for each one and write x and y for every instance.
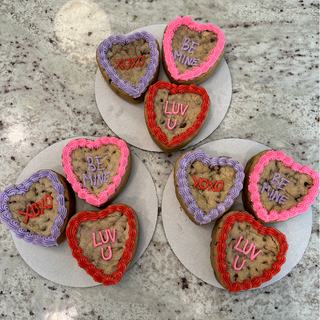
(129, 64)
(104, 243)
(276, 188)
(37, 210)
(175, 114)
(191, 52)
(97, 170)
(244, 253)
(206, 187)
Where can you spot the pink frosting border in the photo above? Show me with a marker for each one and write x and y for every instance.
(193, 25)
(84, 193)
(253, 187)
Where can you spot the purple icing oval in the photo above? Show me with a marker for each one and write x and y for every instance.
(144, 81)
(22, 232)
(185, 192)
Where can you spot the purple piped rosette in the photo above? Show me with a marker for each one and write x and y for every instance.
(22, 232)
(185, 192)
(144, 81)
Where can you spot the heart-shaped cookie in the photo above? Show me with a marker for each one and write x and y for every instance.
(104, 243)
(97, 170)
(244, 253)
(276, 188)
(37, 210)
(175, 114)
(129, 64)
(207, 187)
(191, 51)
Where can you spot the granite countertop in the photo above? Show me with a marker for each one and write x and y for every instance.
(47, 95)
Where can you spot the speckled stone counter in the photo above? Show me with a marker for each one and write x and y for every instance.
(47, 94)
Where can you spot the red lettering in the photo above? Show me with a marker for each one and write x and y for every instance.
(195, 181)
(212, 185)
(203, 183)
(118, 64)
(200, 185)
(216, 187)
(37, 208)
(143, 60)
(134, 63)
(124, 63)
(137, 62)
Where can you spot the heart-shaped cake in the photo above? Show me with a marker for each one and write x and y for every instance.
(206, 187)
(276, 188)
(191, 52)
(129, 64)
(97, 170)
(244, 253)
(37, 210)
(175, 114)
(104, 243)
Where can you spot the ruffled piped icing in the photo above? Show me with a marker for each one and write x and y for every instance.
(77, 186)
(175, 89)
(84, 262)
(22, 232)
(144, 81)
(193, 25)
(267, 275)
(253, 187)
(184, 190)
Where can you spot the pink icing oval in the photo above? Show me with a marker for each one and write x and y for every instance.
(254, 178)
(193, 25)
(68, 169)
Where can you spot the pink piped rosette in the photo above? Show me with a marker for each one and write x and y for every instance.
(253, 187)
(77, 186)
(192, 25)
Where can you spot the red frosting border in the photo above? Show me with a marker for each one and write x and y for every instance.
(84, 262)
(175, 89)
(222, 247)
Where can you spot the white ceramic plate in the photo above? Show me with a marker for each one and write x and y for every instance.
(191, 243)
(127, 121)
(56, 263)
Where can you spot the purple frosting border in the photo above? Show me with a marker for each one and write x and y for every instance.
(22, 232)
(185, 192)
(144, 81)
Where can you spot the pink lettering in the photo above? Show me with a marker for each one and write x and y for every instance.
(185, 109)
(175, 112)
(108, 234)
(252, 248)
(166, 109)
(94, 240)
(175, 123)
(110, 253)
(235, 263)
(179, 109)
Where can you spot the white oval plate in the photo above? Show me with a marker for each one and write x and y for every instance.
(56, 263)
(127, 120)
(191, 243)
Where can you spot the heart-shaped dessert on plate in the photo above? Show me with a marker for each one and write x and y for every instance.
(37, 210)
(97, 170)
(244, 253)
(175, 114)
(191, 52)
(276, 188)
(129, 64)
(207, 187)
(104, 243)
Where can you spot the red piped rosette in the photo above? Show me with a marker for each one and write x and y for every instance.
(222, 247)
(175, 89)
(84, 262)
